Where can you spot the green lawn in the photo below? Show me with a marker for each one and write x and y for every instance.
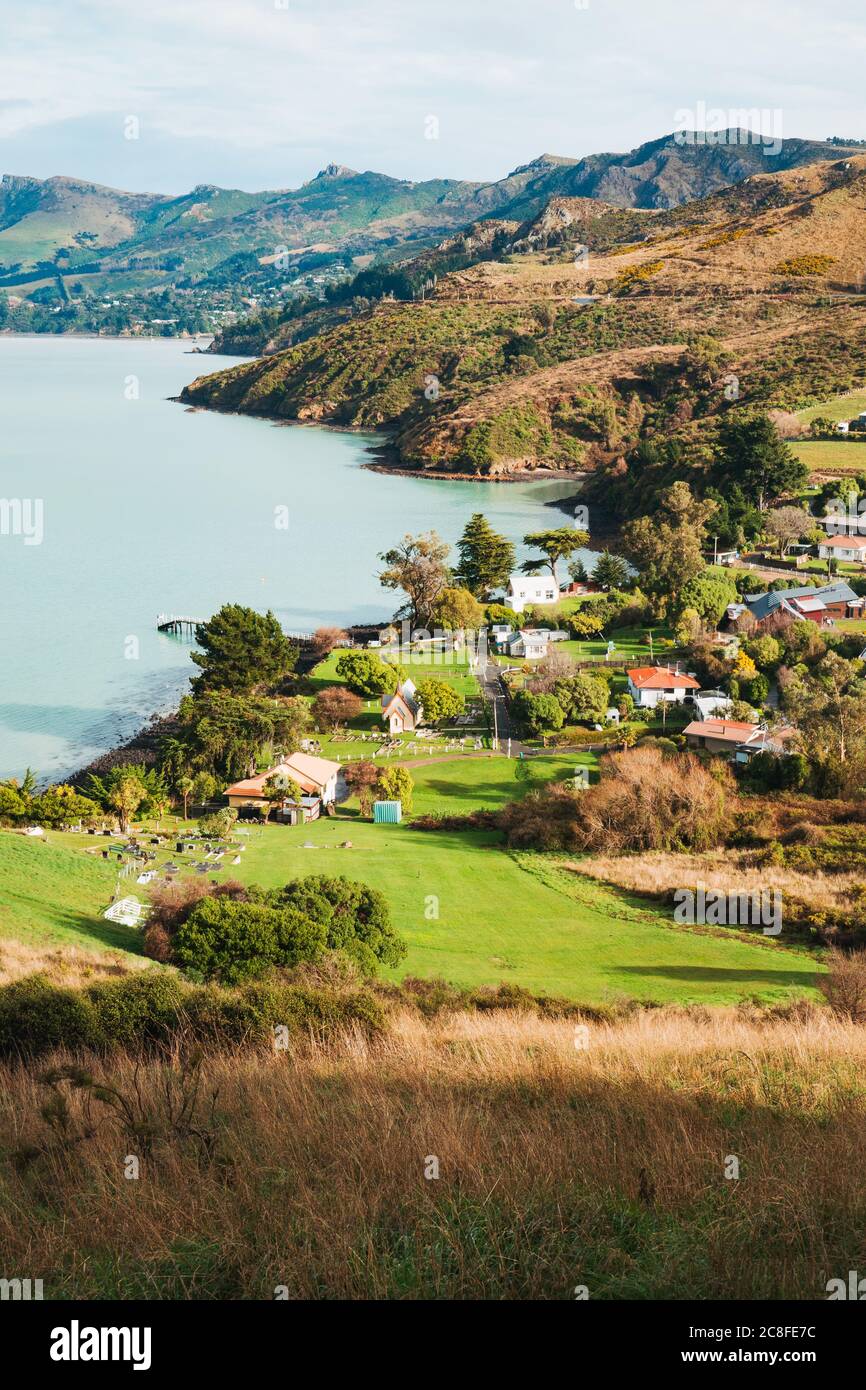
(479, 783)
(831, 455)
(629, 644)
(453, 672)
(840, 408)
(54, 895)
(503, 916)
(469, 909)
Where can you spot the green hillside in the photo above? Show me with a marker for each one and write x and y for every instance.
(303, 241)
(570, 937)
(54, 896)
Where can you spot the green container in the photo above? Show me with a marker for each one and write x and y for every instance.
(387, 812)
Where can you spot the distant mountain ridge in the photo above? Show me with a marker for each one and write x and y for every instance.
(109, 241)
(667, 172)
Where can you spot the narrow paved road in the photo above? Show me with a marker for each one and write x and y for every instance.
(493, 687)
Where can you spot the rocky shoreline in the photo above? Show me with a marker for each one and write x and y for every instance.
(386, 458)
(143, 747)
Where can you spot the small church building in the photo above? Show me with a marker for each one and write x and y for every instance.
(402, 711)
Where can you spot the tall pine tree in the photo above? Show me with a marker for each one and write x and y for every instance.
(486, 558)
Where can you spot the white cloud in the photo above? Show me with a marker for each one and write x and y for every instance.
(249, 85)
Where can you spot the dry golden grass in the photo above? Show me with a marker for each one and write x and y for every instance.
(63, 965)
(559, 1165)
(659, 873)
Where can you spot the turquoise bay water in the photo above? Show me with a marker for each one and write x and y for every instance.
(149, 508)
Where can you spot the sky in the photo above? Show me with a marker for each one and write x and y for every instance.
(161, 95)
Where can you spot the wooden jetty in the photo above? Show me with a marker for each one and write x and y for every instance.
(170, 622)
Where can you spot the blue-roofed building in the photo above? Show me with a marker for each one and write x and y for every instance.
(824, 605)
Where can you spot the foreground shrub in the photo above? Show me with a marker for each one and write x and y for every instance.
(645, 799)
(138, 1010)
(356, 918)
(159, 1011)
(250, 1015)
(171, 905)
(233, 941)
(844, 985)
(36, 1015)
(232, 933)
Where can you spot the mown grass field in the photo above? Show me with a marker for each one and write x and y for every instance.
(53, 894)
(831, 455)
(519, 917)
(478, 783)
(469, 910)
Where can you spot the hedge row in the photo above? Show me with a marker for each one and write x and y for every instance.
(154, 1008)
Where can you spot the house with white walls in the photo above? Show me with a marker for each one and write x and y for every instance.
(526, 589)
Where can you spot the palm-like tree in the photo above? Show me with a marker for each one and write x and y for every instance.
(183, 786)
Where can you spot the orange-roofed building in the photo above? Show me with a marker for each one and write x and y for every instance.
(652, 685)
(316, 777)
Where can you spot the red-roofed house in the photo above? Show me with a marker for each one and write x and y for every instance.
(316, 777)
(849, 548)
(651, 685)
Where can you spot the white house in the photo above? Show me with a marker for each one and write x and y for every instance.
(531, 588)
(842, 427)
(851, 548)
(530, 643)
(654, 685)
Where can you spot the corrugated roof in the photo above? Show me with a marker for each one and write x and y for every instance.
(726, 730)
(311, 774)
(762, 605)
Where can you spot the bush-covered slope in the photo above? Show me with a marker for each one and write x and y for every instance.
(566, 341)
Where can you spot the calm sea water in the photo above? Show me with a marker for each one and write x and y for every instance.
(148, 507)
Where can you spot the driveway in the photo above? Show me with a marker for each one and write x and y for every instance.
(493, 686)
